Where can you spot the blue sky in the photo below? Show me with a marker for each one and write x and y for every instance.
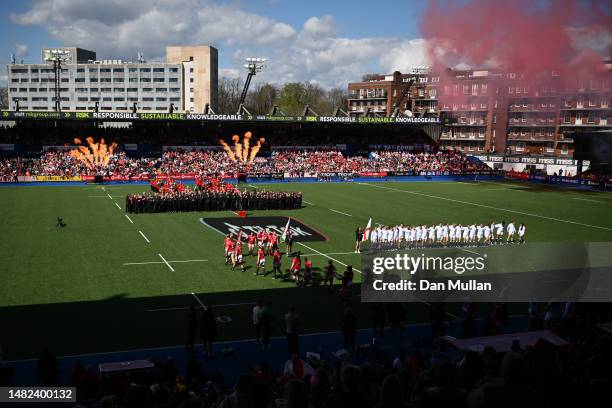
(327, 42)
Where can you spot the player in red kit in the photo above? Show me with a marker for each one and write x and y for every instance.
(237, 259)
(260, 239)
(251, 242)
(277, 264)
(307, 271)
(227, 244)
(296, 265)
(261, 262)
(270, 242)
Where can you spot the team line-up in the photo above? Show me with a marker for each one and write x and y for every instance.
(444, 234)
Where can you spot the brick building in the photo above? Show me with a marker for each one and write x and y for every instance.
(495, 111)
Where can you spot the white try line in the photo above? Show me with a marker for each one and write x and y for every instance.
(340, 212)
(166, 262)
(109, 196)
(145, 237)
(97, 196)
(170, 262)
(471, 252)
(250, 185)
(170, 309)
(492, 207)
(327, 256)
(211, 227)
(587, 199)
(118, 206)
(129, 219)
(307, 202)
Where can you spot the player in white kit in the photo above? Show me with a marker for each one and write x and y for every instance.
(521, 233)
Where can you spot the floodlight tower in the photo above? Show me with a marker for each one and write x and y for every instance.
(253, 66)
(57, 57)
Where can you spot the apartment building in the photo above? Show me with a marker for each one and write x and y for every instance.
(187, 81)
(497, 111)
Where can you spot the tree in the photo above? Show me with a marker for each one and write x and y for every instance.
(229, 90)
(4, 102)
(336, 97)
(291, 99)
(261, 99)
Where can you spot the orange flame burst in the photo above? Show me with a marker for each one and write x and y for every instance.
(242, 152)
(96, 154)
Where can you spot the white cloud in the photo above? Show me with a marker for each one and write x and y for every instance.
(21, 50)
(315, 52)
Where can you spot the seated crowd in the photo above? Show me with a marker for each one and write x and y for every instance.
(541, 375)
(294, 163)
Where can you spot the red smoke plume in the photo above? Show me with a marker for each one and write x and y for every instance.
(527, 37)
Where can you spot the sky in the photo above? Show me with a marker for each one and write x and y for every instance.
(326, 42)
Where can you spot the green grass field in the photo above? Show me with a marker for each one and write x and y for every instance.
(72, 290)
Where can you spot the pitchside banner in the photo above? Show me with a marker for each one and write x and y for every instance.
(533, 272)
(120, 116)
(301, 232)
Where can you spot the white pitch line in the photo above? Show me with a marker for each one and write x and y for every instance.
(118, 206)
(250, 185)
(327, 256)
(340, 212)
(198, 299)
(103, 189)
(109, 196)
(129, 219)
(493, 208)
(589, 200)
(158, 262)
(307, 202)
(471, 252)
(166, 262)
(145, 237)
(98, 196)
(168, 309)
(331, 253)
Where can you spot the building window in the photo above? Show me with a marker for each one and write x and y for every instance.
(117, 79)
(79, 80)
(132, 69)
(106, 89)
(147, 89)
(158, 70)
(105, 79)
(93, 79)
(158, 79)
(160, 99)
(173, 69)
(117, 69)
(119, 99)
(145, 69)
(173, 79)
(119, 89)
(93, 89)
(191, 90)
(133, 79)
(105, 70)
(190, 99)
(161, 90)
(147, 99)
(132, 89)
(145, 79)
(107, 99)
(191, 80)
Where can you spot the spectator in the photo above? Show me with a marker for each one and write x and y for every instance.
(349, 329)
(257, 309)
(391, 393)
(48, 368)
(292, 331)
(349, 395)
(208, 329)
(192, 327)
